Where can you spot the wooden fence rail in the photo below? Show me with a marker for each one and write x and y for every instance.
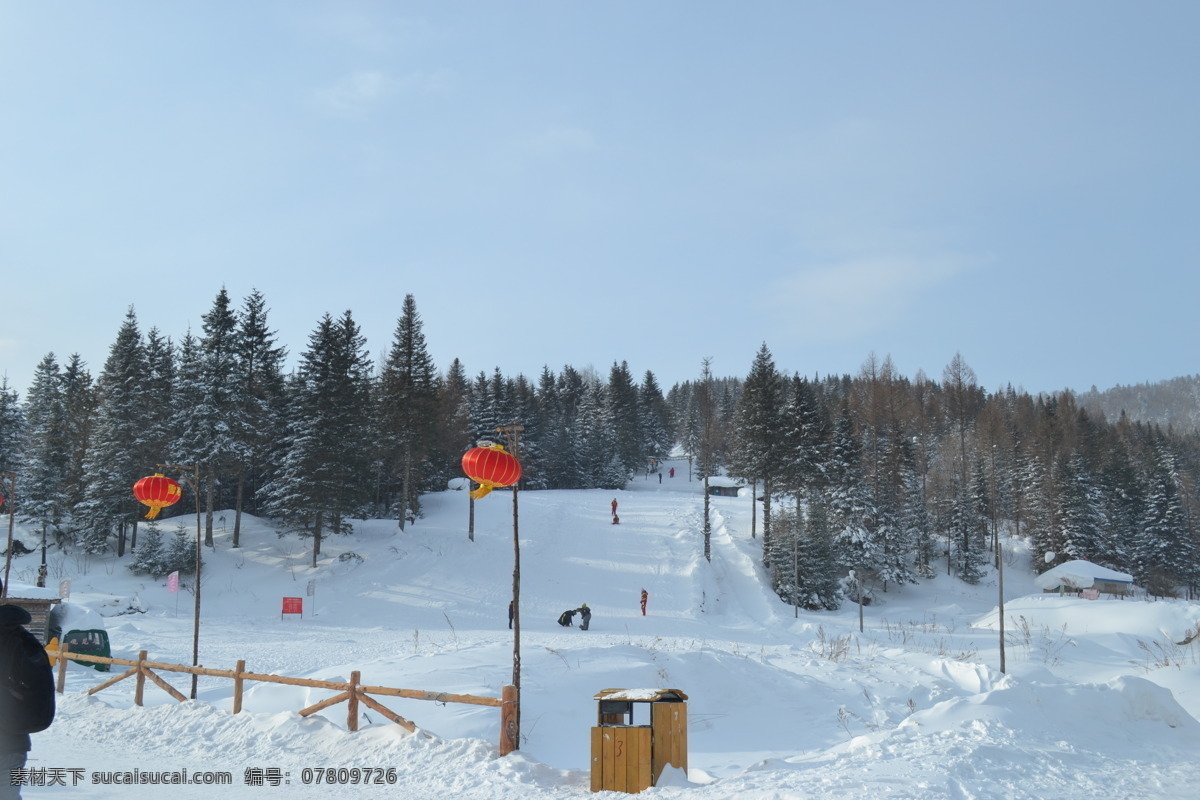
(352, 692)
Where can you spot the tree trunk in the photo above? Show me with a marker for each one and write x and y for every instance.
(766, 521)
(317, 536)
(405, 476)
(237, 509)
(210, 484)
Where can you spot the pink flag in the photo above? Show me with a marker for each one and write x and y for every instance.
(173, 582)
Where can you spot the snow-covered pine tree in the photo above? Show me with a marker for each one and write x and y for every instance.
(209, 411)
(708, 442)
(407, 397)
(969, 526)
(626, 420)
(45, 462)
(756, 452)
(324, 477)
(454, 422)
(1083, 519)
(12, 431)
(848, 503)
(150, 556)
(79, 402)
(113, 462)
(558, 466)
(1166, 551)
(804, 438)
(655, 418)
(596, 444)
(264, 401)
(179, 553)
(1123, 489)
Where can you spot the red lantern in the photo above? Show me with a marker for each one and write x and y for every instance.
(491, 467)
(158, 492)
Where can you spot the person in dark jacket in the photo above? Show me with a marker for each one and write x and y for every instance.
(585, 617)
(567, 618)
(26, 694)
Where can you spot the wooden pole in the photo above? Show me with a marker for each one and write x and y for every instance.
(63, 649)
(140, 691)
(194, 482)
(512, 432)
(352, 702)
(509, 727)
(238, 682)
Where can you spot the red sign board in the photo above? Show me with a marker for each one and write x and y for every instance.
(293, 605)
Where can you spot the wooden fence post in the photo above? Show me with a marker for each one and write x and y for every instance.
(62, 666)
(140, 691)
(352, 702)
(508, 720)
(238, 682)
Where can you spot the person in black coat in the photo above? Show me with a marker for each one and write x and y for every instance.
(26, 694)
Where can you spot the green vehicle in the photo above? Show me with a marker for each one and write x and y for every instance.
(82, 630)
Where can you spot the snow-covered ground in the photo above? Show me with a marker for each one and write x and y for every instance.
(1098, 700)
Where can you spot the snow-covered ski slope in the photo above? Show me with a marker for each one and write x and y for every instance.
(1098, 701)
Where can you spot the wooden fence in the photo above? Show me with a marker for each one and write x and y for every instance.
(352, 692)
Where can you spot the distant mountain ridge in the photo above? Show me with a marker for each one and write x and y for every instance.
(1173, 403)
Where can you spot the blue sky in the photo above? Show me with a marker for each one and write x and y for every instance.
(654, 182)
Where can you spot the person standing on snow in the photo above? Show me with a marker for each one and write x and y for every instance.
(645, 597)
(585, 617)
(614, 506)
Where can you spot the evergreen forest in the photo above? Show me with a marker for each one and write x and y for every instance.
(892, 477)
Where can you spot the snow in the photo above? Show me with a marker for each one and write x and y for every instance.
(1098, 700)
(1080, 574)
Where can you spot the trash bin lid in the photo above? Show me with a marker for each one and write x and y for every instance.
(642, 695)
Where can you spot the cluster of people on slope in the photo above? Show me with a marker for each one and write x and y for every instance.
(566, 618)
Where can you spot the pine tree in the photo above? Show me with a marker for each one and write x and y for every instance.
(454, 422)
(756, 452)
(12, 430)
(44, 468)
(804, 439)
(208, 420)
(708, 454)
(655, 418)
(79, 405)
(325, 469)
(150, 556)
(818, 574)
(626, 420)
(179, 553)
(848, 500)
(408, 403)
(1166, 552)
(1083, 519)
(969, 526)
(600, 464)
(114, 461)
(263, 398)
